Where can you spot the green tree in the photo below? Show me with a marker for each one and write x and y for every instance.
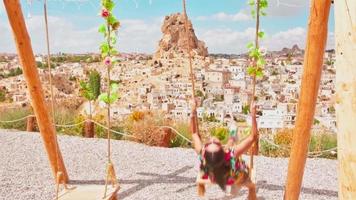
(91, 89)
(316, 122)
(199, 93)
(13, 72)
(246, 109)
(221, 133)
(2, 95)
(331, 109)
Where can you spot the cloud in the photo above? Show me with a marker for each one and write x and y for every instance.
(225, 40)
(222, 16)
(286, 38)
(134, 35)
(284, 8)
(234, 42)
(276, 8)
(143, 36)
(140, 35)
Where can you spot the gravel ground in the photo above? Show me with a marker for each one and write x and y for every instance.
(144, 172)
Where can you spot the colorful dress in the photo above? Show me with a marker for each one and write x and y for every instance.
(238, 168)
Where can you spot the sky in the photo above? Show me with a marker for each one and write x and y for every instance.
(224, 25)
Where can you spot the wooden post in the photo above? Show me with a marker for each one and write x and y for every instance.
(27, 60)
(31, 124)
(345, 32)
(166, 136)
(89, 129)
(313, 61)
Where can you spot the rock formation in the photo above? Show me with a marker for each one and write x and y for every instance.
(295, 50)
(174, 40)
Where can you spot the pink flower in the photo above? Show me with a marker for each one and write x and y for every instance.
(107, 61)
(105, 13)
(230, 181)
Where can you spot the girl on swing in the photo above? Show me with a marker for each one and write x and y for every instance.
(222, 164)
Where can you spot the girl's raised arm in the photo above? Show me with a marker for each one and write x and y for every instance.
(195, 130)
(247, 143)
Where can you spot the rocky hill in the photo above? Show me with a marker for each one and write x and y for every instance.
(295, 50)
(174, 40)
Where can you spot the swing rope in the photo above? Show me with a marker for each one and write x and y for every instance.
(110, 173)
(253, 147)
(59, 174)
(192, 76)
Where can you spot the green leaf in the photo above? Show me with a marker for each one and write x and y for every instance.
(82, 85)
(251, 2)
(113, 97)
(251, 70)
(104, 98)
(109, 4)
(250, 45)
(104, 55)
(102, 29)
(263, 4)
(104, 47)
(263, 13)
(255, 53)
(113, 40)
(261, 62)
(94, 84)
(259, 73)
(113, 52)
(112, 19)
(261, 34)
(114, 87)
(253, 13)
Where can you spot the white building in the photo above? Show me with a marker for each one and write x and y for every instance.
(273, 118)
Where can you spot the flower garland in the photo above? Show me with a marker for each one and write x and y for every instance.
(107, 49)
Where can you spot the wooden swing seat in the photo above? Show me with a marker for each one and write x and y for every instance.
(89, 192)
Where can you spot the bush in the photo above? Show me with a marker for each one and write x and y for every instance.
(319, 142)
(14, 114)
(246, 109)
(65, 116)
(184, 129)
(219, 98)
(284, 137)
(267, 149)
(136, 116)
(2, 95)
(222, 133)
(146, 129)
(323, 141)
(199, 93)
(209, 118)
(13, 72)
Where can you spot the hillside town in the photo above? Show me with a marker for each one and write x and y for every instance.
(161, 82)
